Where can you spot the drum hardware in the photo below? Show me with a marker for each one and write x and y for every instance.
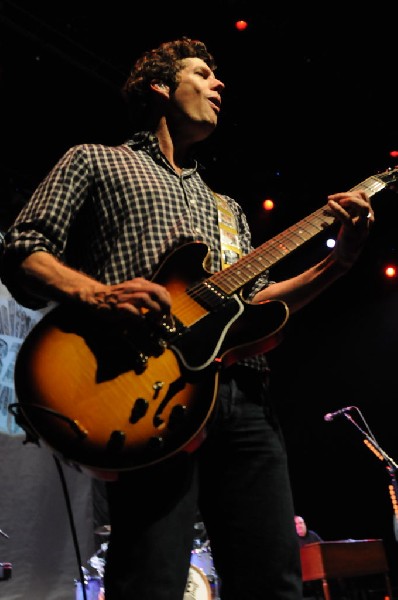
(97, 561)
(200, 534)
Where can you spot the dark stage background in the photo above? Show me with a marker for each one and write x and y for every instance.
(309, 110)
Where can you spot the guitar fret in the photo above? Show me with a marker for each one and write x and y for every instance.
(371, 186)
(296, 239)
(274, 255)
(313, 227)
(261, 262)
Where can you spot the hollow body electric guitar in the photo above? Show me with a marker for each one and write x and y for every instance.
(108, 399)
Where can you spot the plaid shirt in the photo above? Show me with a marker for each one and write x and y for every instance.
(116, 212)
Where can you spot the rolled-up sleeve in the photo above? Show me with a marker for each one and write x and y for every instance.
(43, 224)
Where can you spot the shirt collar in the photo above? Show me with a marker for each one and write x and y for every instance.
(149, 142)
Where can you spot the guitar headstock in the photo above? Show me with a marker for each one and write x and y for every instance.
(389, 177)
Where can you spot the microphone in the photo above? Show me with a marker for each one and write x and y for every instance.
(332, 415)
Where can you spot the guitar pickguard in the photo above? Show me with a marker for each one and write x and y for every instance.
(199, 345)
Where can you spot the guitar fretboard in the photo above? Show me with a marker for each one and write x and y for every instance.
(248, 267)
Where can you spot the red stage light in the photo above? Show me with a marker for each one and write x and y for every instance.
(241, 25)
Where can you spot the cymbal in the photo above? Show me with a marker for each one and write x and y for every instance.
(103, 530)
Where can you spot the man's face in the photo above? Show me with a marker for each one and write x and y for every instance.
(301, 527)
(196, 101)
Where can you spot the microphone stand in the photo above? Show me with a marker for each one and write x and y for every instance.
(391, 466)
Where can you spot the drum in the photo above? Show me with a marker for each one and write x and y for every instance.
(202, 559)
(198, 587)
(93, 589)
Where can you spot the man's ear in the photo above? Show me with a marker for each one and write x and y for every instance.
(160, 87)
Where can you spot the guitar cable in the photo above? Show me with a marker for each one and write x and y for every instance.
(72, 524)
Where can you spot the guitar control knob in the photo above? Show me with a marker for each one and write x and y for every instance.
(157, 387)
(140, 363)
(159, 347)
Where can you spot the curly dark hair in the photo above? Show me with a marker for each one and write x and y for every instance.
(161, 64)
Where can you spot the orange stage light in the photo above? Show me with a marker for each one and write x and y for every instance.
(390, 271)
(268, 204)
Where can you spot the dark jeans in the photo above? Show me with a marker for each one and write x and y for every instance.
(239, 480)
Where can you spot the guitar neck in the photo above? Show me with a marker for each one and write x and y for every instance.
(248, 267)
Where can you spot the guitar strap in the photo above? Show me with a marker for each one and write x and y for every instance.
(229, 239)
